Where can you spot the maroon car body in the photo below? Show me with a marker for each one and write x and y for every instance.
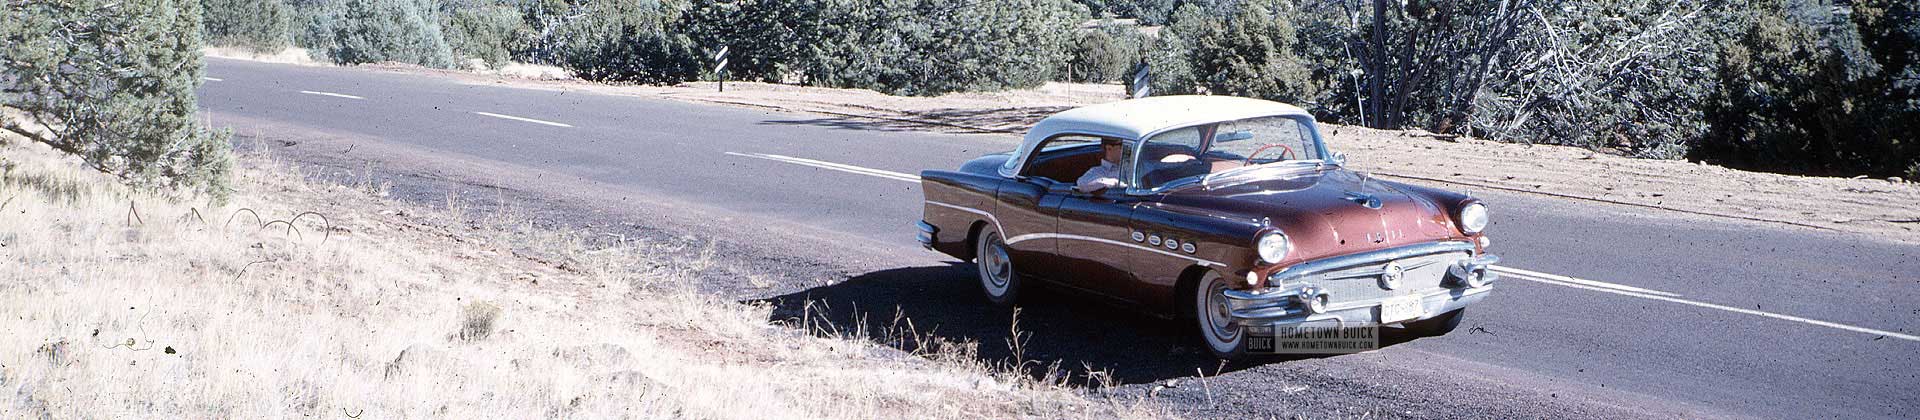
(1184, 236)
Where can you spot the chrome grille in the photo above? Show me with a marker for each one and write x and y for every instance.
(1362, 282)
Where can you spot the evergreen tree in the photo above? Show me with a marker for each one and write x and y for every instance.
(114, 83)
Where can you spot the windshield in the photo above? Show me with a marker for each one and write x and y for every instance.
(1192, 153)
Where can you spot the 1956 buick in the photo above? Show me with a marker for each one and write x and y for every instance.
(1226, 211)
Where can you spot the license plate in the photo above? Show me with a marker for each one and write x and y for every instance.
(1400, 309)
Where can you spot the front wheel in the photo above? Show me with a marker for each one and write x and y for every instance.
(1439, 325)
(998, 280)
(1224, 336)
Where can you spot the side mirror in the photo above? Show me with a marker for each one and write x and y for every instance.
(1340, 158)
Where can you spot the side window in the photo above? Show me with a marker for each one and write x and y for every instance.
(1064, 158)
(1173, 155)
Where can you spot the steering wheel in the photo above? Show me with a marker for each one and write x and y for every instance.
(1285, 151)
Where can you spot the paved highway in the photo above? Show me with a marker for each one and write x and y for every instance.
(1606, 310)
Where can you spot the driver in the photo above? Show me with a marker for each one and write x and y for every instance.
(1107, 175)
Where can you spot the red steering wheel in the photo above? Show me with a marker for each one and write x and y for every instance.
(1284, 151)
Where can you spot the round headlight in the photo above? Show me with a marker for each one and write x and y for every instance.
(1473, 218)
(1273, 247)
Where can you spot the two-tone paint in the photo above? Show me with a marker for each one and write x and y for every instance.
(1363, 238)
(1087, 242)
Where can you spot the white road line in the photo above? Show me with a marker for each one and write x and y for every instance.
(1585, 282)
(1808, 321)
(336, 95)
(833, 166)
(212, 79)
(510, 117)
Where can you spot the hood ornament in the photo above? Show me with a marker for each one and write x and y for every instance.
(1364, 199)
(1391, 275)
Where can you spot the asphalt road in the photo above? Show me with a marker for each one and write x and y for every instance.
(1657, 314)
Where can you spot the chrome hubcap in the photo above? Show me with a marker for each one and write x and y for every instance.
(995, 268)
(1222, 332)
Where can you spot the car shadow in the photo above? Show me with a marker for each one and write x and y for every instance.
(904, 307)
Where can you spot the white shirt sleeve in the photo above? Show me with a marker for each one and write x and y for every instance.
(1100, 177)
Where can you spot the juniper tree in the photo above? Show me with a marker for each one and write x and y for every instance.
(113, 82)
(256, 25)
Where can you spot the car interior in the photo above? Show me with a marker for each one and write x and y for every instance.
(1163, 162)
(1064, 164)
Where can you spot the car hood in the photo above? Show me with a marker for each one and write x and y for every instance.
(1326, 212)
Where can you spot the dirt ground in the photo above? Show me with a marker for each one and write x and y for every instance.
(1887, 209)
(317, 295)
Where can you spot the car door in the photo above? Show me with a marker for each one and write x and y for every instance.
(1096, 241)
(1030, 206)
(1027, 211)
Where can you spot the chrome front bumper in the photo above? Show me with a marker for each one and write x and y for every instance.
(1301, 293)
(926, 235)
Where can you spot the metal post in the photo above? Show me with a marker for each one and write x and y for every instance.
(720, 67)
(1142, 81)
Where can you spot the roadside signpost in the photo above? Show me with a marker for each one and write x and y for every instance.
(720, 67)
(1142, 79)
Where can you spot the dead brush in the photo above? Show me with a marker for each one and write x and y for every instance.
(477, 321)
(1018, 372)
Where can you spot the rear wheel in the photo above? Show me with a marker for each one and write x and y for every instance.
(1223, 336)
(998, 280)
(1439, 325)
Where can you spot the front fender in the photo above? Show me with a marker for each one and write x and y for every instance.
(1223, 244)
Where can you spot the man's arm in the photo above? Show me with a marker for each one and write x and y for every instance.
(1096, 179)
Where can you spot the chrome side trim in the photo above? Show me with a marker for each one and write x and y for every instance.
(1375, 257)
(1032, 236)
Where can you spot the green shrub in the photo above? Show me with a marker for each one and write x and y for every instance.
(372, 31)
(258, 25)
(1104, 54)
(483, 31)
(765, 38)
(1244, 50)
(1149, 12)
(627, 41)
(1816, 89)
(114, 82)
(932, 47)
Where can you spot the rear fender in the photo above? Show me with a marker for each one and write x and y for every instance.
(955, 201)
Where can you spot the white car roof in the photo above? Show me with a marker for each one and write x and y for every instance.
(1135, 119)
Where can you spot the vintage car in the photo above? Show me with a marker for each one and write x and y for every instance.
(1229, 212)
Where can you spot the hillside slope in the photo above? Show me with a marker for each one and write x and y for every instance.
(305, 298)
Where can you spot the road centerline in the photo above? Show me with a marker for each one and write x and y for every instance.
(1580, 281)
(1622, 290)
(523, 119)
(336, 95)
(880, 173)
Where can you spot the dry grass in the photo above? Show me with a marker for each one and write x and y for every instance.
(318, 298)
